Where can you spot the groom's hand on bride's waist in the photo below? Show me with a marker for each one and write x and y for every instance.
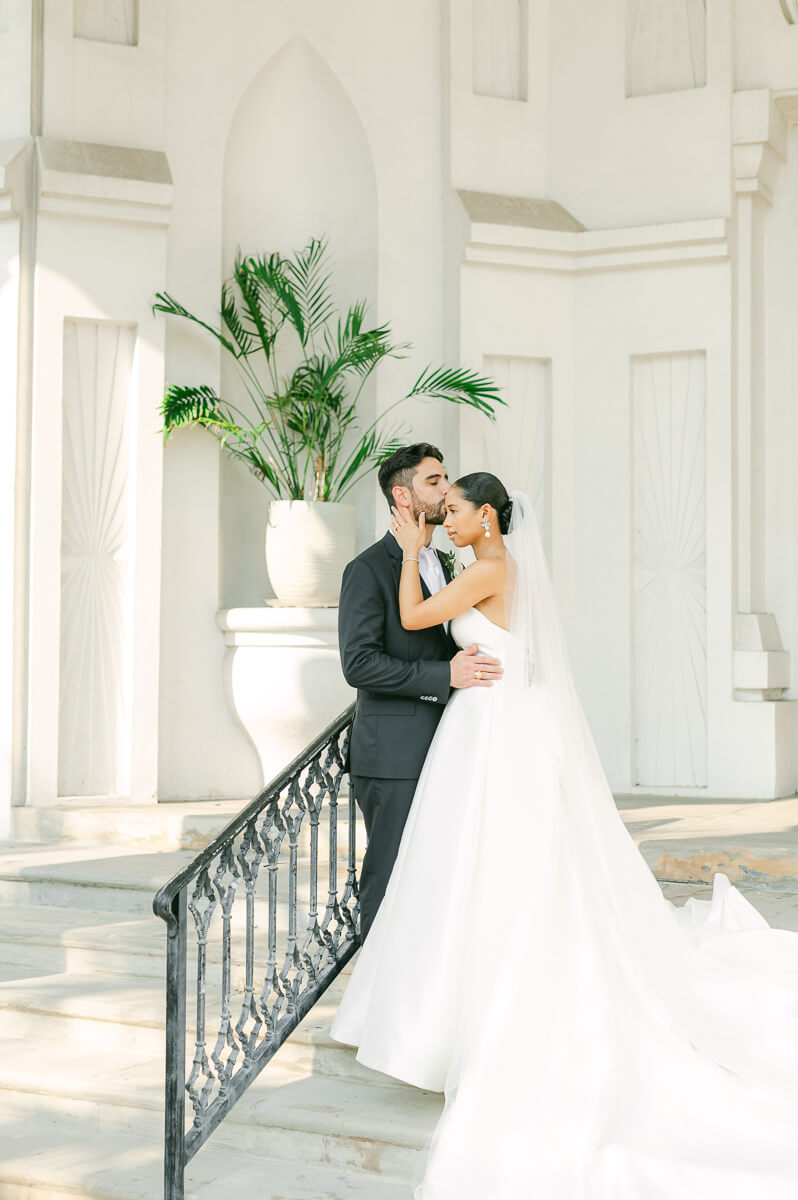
(469, 668)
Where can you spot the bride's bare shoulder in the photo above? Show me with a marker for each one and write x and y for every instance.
(493, 568)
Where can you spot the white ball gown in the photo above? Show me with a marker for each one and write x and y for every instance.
(594, 1041)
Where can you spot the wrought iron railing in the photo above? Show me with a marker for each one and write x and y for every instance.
(287, 832)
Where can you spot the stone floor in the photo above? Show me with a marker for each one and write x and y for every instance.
(685, 840)
(82, 996)
(779, 909)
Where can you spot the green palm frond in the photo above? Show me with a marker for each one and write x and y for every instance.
(459, 385)
(350, 347)
(373, 447)
(261, 314)
(274, 286)
(184, 405)
(232, 320)
(167, 304)
(311, 286)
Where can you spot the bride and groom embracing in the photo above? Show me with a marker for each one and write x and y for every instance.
(593, 1041)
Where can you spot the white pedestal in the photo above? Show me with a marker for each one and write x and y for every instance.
(283, 677)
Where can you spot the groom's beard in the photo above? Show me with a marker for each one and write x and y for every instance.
(434, 516)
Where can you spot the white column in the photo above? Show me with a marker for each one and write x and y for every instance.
(10, 254)
(760, 146)
(96, 474)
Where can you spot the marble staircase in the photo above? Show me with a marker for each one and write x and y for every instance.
(82, 1037)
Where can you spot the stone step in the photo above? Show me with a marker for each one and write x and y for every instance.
(119, 880)
(363, 1126)
(105, 1014)
(81, 941)
(174, 825)
(46, 1158)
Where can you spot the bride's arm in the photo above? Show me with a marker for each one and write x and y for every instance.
(475, 583)
(480, 580)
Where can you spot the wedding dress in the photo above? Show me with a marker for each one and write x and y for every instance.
(594, 1041)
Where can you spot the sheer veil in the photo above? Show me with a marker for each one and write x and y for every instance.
(588, 803)
(638, 924)
(535, 622)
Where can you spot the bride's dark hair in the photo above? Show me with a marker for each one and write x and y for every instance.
(480, 487)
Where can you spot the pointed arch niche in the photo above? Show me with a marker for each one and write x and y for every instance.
(298, 164)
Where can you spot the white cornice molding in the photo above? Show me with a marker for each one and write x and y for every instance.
(11, 152)
(786, 100)
(112, 183)
(489, 208)
(759, 137)
(598, 250)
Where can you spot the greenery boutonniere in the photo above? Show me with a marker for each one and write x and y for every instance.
(453, 563)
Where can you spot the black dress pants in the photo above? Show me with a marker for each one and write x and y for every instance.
(385, 804)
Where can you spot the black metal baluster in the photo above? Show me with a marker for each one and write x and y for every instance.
(249, 870)
(225, 882)
(175, 1115)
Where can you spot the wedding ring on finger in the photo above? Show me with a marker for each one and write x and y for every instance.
(478, 674)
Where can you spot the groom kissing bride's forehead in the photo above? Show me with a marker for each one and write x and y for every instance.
(404, 673)
(419, 484)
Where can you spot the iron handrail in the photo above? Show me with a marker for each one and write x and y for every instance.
(207, 888)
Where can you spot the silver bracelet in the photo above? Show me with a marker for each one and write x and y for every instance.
(411, 559)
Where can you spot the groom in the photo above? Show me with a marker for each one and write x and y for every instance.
(403, 677)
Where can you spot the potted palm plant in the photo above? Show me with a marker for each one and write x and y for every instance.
(301, 433)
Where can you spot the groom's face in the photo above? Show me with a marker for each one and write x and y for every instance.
(427, 492)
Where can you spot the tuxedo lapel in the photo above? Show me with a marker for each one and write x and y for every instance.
(395, 552)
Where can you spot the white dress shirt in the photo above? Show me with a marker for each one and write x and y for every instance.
(431, 571)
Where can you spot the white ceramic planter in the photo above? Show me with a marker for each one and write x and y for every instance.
(308, 544)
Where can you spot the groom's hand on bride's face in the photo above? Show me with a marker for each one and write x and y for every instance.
(469, 668)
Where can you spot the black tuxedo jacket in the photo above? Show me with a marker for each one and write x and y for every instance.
(401, 675)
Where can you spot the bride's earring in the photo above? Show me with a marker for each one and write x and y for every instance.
(486, 526)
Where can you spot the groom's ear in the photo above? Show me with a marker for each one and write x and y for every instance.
(401, 497)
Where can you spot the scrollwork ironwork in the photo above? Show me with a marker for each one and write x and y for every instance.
(220, 904)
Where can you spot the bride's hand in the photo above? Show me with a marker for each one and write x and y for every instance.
(410, 535)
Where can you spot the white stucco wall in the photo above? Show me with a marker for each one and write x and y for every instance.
(649, 188)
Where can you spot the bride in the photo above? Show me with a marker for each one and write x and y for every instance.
(594, 1042)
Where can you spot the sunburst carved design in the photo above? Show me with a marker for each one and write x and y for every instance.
(669, 587)
(95, 535)
(666, 47)
(499, 41)
(516, 447)
(107, 20)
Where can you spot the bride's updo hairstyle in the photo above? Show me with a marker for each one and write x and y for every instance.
(480, 487)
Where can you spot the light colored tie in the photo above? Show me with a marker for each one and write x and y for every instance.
(430, 569)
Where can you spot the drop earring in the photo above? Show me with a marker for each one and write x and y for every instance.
(486, 526)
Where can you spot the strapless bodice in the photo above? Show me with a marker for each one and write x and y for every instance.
(472, 626)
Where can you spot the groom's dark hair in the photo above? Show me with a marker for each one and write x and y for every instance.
(399, 468)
